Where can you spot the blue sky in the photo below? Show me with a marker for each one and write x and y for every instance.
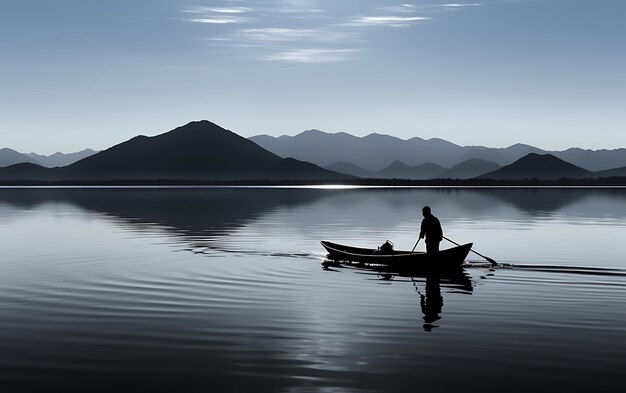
(86, 73)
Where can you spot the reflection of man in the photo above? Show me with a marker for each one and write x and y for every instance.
(431, 228)
(432, 302)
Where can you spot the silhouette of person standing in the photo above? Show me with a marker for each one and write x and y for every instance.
(431, 228)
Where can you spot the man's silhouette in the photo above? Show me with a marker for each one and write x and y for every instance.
(431, 228)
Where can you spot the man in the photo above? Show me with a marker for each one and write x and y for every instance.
(431, 228)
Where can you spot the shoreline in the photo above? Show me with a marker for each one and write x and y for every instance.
(616, 183)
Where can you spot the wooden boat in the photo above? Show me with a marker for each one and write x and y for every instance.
(448, 258)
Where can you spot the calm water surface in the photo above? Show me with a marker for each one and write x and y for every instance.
(224, 290)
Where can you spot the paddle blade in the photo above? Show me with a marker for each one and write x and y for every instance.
(493, 263)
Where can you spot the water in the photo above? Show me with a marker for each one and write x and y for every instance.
(224, 290)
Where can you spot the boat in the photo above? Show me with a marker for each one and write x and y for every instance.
(443, 259)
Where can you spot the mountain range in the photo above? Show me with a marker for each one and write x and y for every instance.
(10, 157)
(398, 170)
(376, 152)
(204, 151)
(197, 151)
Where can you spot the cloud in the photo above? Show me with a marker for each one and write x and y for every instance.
(218, 10)
(400, 8)
(274, 34)
(313, 55)
(449, 6)
(388, 20)
(458, 5)
(301, 30)
(296, 6)
(219, 21)
(218, 15)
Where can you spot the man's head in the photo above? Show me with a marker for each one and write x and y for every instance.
(426, 211)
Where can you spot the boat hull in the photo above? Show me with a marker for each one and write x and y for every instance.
(448, 258)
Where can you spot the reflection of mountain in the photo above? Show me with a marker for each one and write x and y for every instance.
(188, 212)
(533, 201)
(203, 216)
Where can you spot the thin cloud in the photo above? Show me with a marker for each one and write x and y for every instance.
(301, 31)
(219, 10)
(400, 8)
(387, 20)
(458, 5)
(218, 21)
(296, 6)
(450, 6)
(313, 55)
(284, 34)
(219, 15)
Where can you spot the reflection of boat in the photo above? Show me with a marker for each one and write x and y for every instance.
(453, 278)
(449, 258)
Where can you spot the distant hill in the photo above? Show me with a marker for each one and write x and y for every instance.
(538, 166)
(197, 151)
(60, 159)
(350, 169)
(27, 171)
(594, 160)
(486, 154)
(10, 157)
(469, 169)
(615, 172)
(375, 152)
(399, 170)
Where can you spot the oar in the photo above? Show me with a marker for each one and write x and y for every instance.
(418, 240)
(493, 263)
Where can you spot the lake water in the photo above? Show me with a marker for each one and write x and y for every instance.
(224, 290)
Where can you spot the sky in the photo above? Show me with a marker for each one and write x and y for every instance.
(90, 73)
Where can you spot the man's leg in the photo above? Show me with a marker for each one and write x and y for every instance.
(432, 247)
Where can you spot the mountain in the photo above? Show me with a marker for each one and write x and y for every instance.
(486, 154)
(60, 159)
(10, 157)
(373, 152)
(197, 151)
(399, 170)
(377, 151)
(615, 172)
(469, 169)
(350, 169)
(594, 160)
(28, 171)
(538, 166)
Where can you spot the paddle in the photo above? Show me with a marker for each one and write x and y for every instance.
(493, 263)
(418, 240)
